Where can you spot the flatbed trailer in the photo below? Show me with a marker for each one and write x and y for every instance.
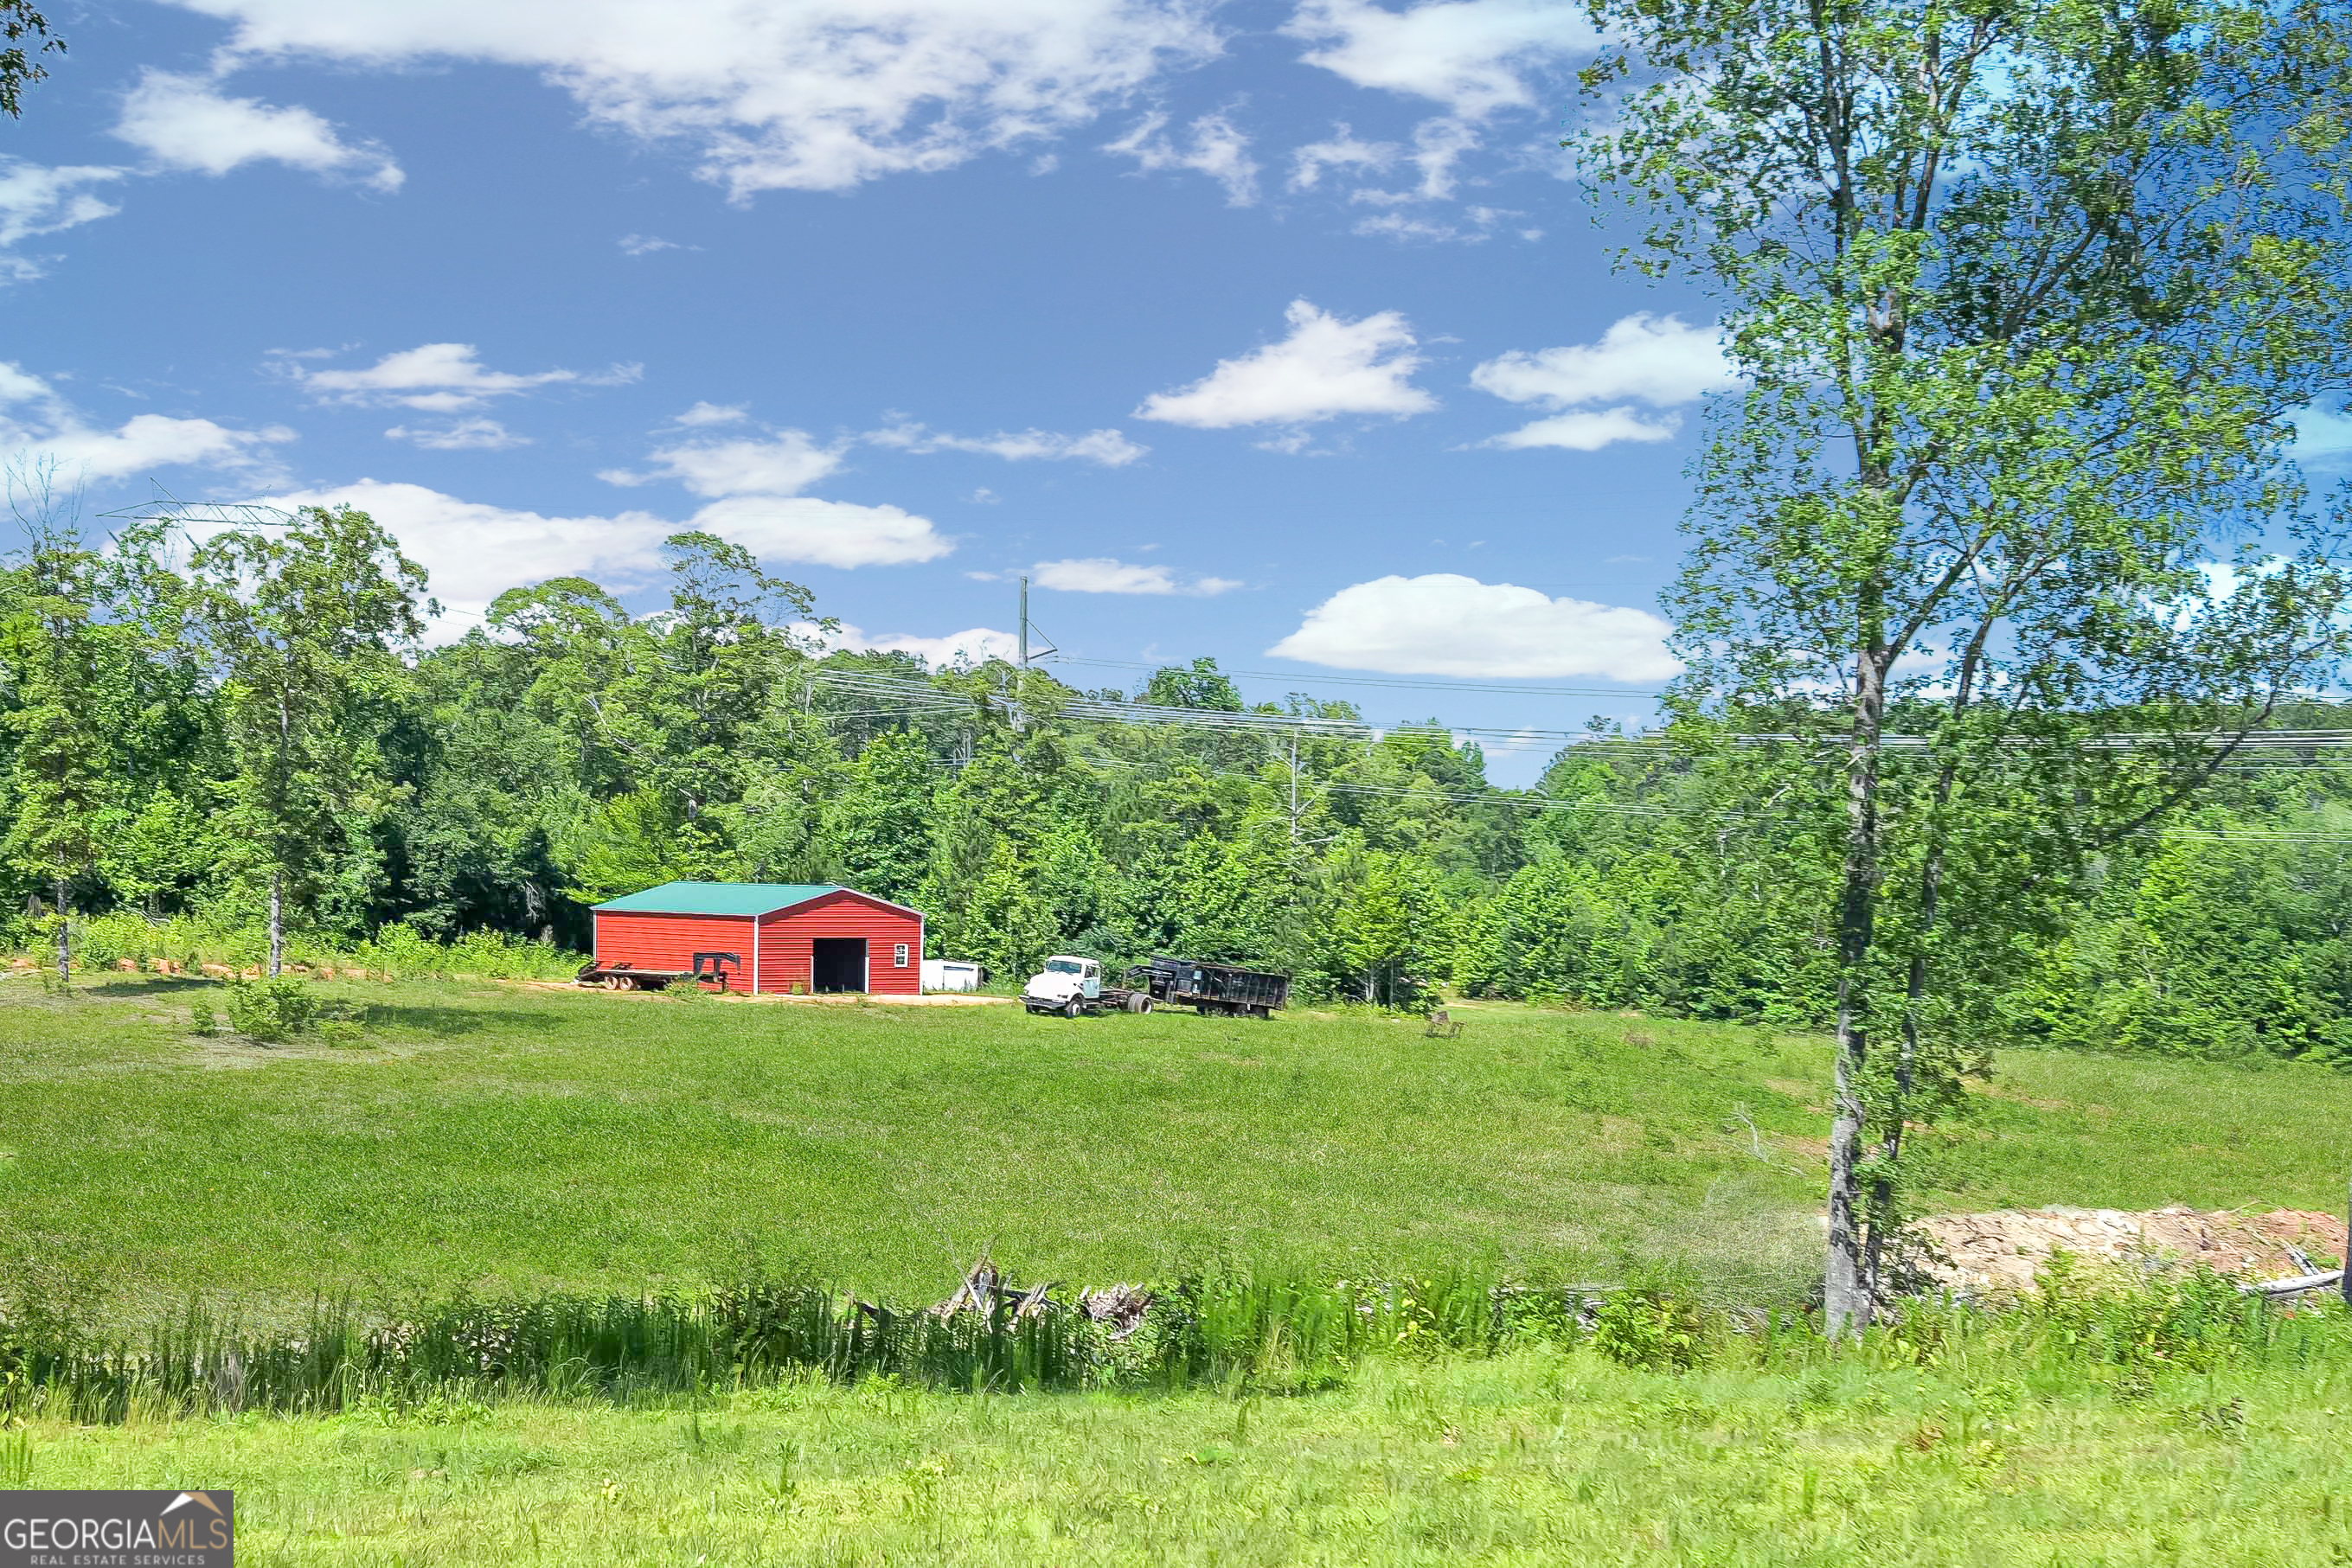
(709, 969)
(1211, 987)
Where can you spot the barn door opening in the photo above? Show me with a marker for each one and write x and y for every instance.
(839, 963)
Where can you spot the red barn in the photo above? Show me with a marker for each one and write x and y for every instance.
(785, 937)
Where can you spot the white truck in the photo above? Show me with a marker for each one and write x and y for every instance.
(1069, 985)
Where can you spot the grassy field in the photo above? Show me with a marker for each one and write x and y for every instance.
(1540, 1458)
(499, 1138)
(496, 1136)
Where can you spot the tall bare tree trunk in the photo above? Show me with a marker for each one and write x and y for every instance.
(1845, 1285)
(276, 921)
(65, 938)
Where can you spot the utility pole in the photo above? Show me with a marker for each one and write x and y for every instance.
(1024, 623)
(1294, 788)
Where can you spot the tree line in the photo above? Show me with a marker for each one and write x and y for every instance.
(250, 728)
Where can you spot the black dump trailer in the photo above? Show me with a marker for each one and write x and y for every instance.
(1211, 987)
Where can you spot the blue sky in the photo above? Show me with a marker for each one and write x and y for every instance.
(1274, 332)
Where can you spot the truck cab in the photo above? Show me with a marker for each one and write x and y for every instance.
(1067, 983)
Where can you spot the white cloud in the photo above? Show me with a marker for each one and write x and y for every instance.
(462, 436)
(646, 245)
(184, 123)
(151, 441)
(785, 464)
(974, 647)
(1343, 150)
(438, 378)
(1589, 430)
(1108, 447)
(1438, 146)
(1472, 55)
(1446, 624)
(1326, 366)
(756, 483)
(2322, 437)
(475, 552)
(822, 533)
(1218, 149)
(707, 414)
(1660, 360)
(1100, 574)
(1479, 226)
(811, 95)
(37, 200)
(36, 423)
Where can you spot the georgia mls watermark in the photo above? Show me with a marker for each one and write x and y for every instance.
(118, 1528)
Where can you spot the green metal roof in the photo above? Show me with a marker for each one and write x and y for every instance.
(720, 897)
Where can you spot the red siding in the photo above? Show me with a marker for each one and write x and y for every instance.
(785, 936)
(652, 941)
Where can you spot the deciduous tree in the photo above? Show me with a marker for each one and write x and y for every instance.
(2025, 293)
(307, 625)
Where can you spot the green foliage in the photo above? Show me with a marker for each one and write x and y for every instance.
(1653, 1324)
(456, 812)
(305, 628)
(19, 69)
(2022, 346)
(877, 830)
(273, 1010)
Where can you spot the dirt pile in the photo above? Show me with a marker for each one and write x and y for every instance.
(2000, 1253)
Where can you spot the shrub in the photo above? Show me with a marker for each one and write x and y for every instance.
(272, 1010)
(201, 1018)
(401, 953)
(342, 1033)
(1651, 1326)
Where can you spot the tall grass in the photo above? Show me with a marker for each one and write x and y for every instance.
(1250, 1331)
(1273, 1332)
(102, 942)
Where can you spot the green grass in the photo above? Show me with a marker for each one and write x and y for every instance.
(503, 1140)
(501, 1137)
(1539, 1458)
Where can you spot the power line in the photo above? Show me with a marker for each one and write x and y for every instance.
(922, 697)
(922, 693)
(1423, 685)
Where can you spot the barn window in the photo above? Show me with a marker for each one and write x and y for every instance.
(900, 958)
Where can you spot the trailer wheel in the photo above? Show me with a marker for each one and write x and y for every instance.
(614, 982)
(1137, 1002)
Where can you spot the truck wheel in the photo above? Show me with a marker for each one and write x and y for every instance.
(1071, 1008)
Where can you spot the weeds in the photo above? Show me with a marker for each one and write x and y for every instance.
(1253, 1333)
(188, 942)
(272, 1011)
